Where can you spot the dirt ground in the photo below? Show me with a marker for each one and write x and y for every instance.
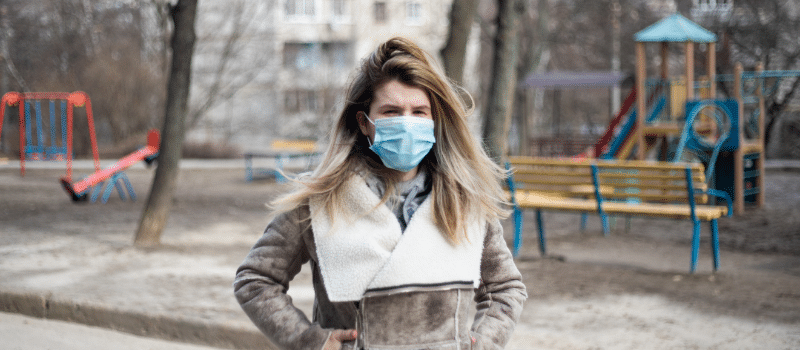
(630, 290)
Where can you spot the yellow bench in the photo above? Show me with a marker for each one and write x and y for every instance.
(294, 145)
(280, 151)
(612, 187)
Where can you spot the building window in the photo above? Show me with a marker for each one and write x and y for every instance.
(298, 101)
(712, 5)
(715, 8)
(301, 56)
(339, 54)
(300, 9)
(341, 9)
(379, 10)
(413, 12)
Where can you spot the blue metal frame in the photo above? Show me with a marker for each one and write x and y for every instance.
(599, 199)
(619, 140)
(251, 172)
(116, 181)
(36, 149)
(696, 222)
(512, 189)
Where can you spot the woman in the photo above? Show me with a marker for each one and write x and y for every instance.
(400, 223)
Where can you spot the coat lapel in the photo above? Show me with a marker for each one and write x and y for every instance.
(365, 249)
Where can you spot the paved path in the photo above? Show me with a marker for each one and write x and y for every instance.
(28, 333)
(60, 260)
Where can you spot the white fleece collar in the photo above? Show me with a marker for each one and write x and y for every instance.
(364, 249)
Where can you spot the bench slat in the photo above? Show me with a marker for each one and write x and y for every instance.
(674, 211)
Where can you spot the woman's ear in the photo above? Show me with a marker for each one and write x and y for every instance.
(363, 123)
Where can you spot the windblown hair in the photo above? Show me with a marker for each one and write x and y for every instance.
(465, 181)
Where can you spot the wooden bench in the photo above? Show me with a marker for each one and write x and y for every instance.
(280, 151)
(611, 187)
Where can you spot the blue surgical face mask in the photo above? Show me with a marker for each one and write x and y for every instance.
(402, 142)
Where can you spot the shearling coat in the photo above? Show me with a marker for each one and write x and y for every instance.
(411, 316)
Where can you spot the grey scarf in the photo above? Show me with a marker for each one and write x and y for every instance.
(407, 197)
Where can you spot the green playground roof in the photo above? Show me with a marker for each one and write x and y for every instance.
(675, 28)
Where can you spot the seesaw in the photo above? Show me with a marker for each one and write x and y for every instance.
(114, 174)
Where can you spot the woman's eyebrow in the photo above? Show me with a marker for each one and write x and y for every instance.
(422, 107)
(389, 106)
(397, 106)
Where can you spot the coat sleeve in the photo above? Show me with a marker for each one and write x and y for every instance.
(501, 293)
(263, 279)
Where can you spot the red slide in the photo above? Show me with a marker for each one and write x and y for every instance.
(79, 189)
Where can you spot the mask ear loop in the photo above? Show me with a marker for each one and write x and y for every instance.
(373, 124)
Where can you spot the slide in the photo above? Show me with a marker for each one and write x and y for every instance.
(618, 139)
(622, 145)
(601, 146)
(80, 189)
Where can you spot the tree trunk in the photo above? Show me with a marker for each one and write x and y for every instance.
(462, 15)
(159, 203)
(533, 58)
(497, 112)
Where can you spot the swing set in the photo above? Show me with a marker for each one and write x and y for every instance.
(49, 139)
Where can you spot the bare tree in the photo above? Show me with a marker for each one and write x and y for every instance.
(498, 108)
(93, 46)
(159, 202)
(462, 16)
(534, 56)
(764, 31)
(572, 36)
(227, 58)
(5, 54)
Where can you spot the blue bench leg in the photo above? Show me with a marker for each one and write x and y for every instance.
(540, 228)
(248, 169)
(715, 243)
(584, 216)
(604, 220)
(517, 230)
(695, 244)
(279, 170)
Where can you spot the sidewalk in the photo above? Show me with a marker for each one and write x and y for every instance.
(24, 333)
(65, 261)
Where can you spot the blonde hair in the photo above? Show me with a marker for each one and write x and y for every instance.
(466, 183)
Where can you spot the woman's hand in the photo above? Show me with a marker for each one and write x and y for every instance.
(337, 337)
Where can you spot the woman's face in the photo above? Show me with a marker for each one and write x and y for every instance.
(394, 99)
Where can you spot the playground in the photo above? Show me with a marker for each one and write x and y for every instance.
(620, 283)
(629, 290)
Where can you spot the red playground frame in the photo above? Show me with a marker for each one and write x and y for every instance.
(74, 99)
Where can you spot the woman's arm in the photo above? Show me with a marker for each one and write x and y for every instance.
(263, 278)
(500, 295)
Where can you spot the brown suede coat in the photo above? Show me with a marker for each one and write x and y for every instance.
(436, 318)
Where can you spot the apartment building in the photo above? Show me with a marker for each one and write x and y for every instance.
(297, 57)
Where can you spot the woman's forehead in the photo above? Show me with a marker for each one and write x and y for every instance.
(396, 93)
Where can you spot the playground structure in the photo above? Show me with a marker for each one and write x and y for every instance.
(56, 145)
(115, 174)
(684, 116)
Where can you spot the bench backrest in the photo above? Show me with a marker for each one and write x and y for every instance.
(644, 181)
(637, 181)
(551, 175)
(293, 145)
